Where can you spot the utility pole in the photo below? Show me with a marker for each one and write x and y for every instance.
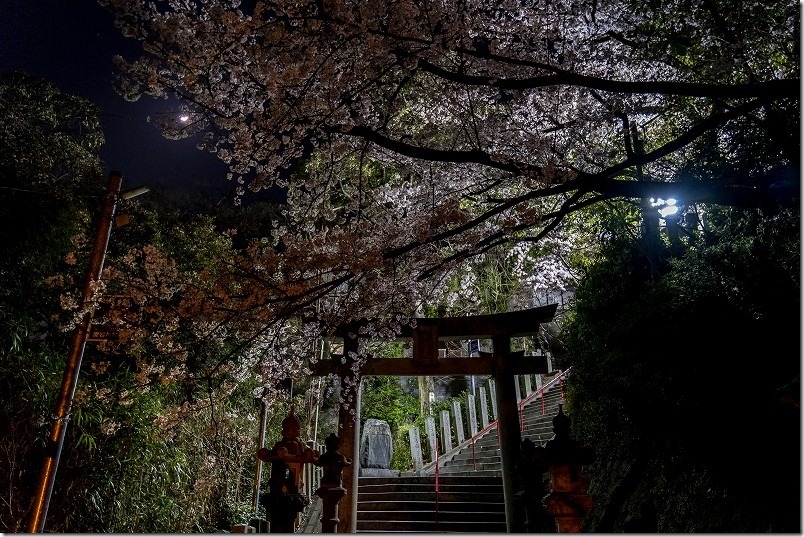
(47, 476)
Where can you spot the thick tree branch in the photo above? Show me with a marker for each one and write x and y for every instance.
(783, 192)
(731, 193)
(789, 87)
(477, 156)
(685, 138)
(470, 156)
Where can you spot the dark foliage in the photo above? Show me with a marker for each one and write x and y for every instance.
(687, 384)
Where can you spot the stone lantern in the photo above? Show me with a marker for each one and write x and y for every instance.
(567, 500)
(333, 462)
(288, 457)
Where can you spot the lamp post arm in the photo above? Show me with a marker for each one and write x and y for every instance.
(47, 476)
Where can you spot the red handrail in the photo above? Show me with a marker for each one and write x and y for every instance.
(474, 461)
(436, 480)
(479, 433)
(559, 378)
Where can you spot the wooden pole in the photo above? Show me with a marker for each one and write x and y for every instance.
(69, 381)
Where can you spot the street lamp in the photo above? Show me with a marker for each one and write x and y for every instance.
(134, 192)
(47, 476)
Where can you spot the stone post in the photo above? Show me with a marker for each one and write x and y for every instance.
(456, 408)
(330, 490)
(470, 406)
(484, 408)
(429, 424)
(446, 430)
(493, 395)
(416, 448)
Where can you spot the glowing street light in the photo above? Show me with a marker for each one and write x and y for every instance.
(666, 207)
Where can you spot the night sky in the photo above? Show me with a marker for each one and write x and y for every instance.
(70, 43)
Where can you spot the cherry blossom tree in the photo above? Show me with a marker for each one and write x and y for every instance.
(413, 136)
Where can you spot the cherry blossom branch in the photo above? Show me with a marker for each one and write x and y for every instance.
(475, 156)
(790, 87)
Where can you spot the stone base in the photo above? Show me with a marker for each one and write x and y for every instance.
(378, 472)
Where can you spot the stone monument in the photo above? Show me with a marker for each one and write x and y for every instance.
(376, 449)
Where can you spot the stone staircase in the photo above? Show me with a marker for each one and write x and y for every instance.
(463, 504)
(485, 456)
(470, 495)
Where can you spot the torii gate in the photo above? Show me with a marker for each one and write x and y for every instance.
(500, 328)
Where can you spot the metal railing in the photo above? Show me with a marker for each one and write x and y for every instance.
(558, 379)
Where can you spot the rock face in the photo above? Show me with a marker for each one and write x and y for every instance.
(376, 449)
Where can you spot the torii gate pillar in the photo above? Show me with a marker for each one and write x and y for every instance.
(507, 422)
(348, 431)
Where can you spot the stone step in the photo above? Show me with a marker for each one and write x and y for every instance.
(424, 480)
(487, 446)
(427, 503)
(444, 514)
(372, 491)
(535, 414)
(467, 458)
(488, 436)
(539, 436)
(533, 410)
(463, 472)
(411, 526)
(541, 425)
(489, 443)
(464, 504)
(488, 464)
